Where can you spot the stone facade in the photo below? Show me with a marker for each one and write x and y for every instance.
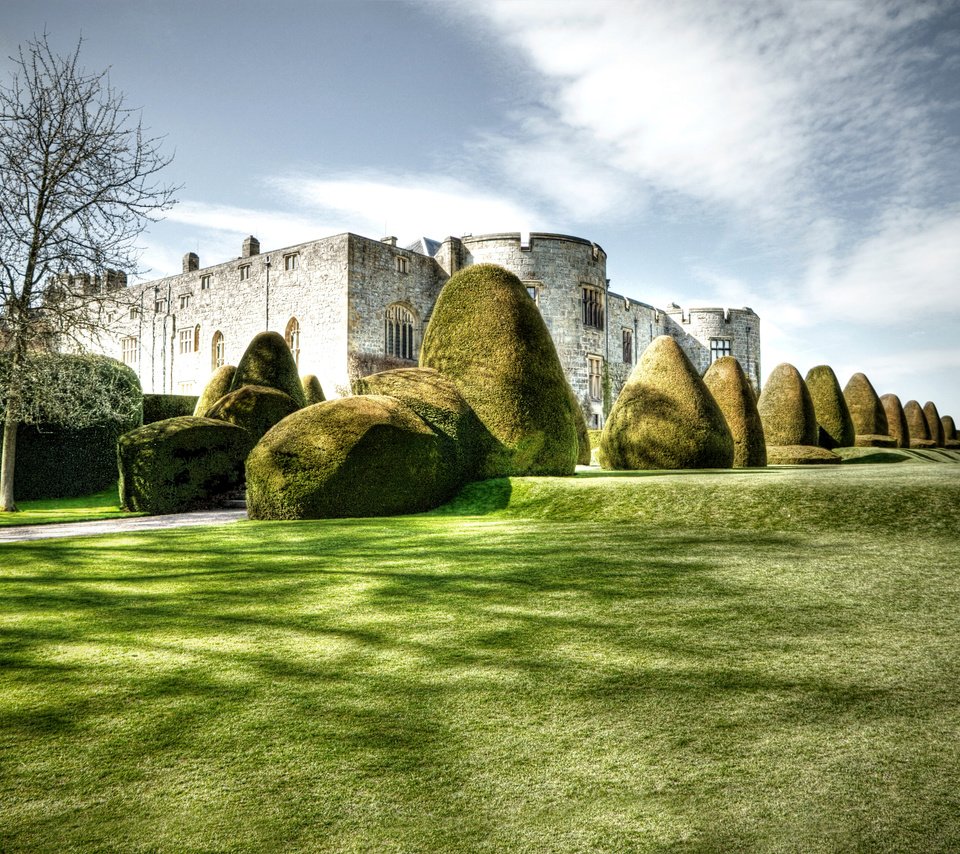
(349, 304)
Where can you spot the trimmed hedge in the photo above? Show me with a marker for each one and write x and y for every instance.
(897, 424)
(312, 390)
(731, 389)
(831, 410)
(949, 428)
(217, 386)
(584, 450)
(665, 418)
(255, 408)
(790, 421)
(801, 455)
(180, 463)
(934, 424)
(866, 410)
(267, 361)
(160, 407)
(917, 424)
(487, 335)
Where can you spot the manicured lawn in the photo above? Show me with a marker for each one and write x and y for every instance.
(87, 508)
(760, 661)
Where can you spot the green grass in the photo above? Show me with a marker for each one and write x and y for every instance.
(697, 661)
(86, 508)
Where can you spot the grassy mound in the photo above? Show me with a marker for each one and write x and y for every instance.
(268, 362)
(786, 409)
(488, 336)
(896, 420)
(369, 455)
(664, 417)
(733, 393)
(934, 424)
(866, 410)
(830, 407)
(217, 386)
(255, 408)
(179, 464)
(800, 455)
(917, 426)
(312, 390)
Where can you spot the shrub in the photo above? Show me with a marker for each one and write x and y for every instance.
(949, 428)
(896, 420)
(790, 421)
(160, 407)
(180, 464)
(664, 417)
(800, 455)
(369, 455)
(836, 428)
(255, 408)
(584, 449)
(217, 386)
(487, 335)
(267, 361)
(866, 410)
(312, 390)
(917, 426)
(933, 423)
(731, 389)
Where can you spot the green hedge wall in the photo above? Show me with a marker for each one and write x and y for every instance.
(160, 407)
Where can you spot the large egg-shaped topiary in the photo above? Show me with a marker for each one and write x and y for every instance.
(733, 393)
(897, 425)
(256, 408)
(368, 455)
(917, 425)
(789, 420)
(664, 417)
(180, 463)
(833, 417)
(950, 439)
(869, 417)
(932, 415)
(312, 390)
(267, 361)
(217, 386)
(488, 336)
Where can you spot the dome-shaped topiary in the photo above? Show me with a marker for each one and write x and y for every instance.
(789, 420)
(732, 391)
(896, 420)
(256, 408)
(917, 425)
(833, 417)
(950, 439)
(584, 450)
(664, 417)
(487, 335)
(312, 389)
(933, 423)
(217, 386)
(866, 410)
(368, 455)
(268, 362)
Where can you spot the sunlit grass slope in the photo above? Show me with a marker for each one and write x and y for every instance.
(87, 508)
(729, 661)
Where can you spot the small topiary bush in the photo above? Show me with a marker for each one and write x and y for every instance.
(217, 386)
(731, 389)
(160, 407)
(897, 425)
(836, 428)
(789, 420)
(934, 425)
(254, 408)
(180, 464)
(268, 362)
(584, 449)
(312, 390)
(867, 413)
(664, 417)
(487, 335)
(917, 426)
(950, 440)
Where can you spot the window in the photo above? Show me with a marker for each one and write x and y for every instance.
(130, 350)
(399, 332)
(184, 301)
(628, 346)
(217, 352)
(160, 305)
(205, 282)
(533, 288)
(719, 347)
(186, 340)
(292, 337)
(185, 388)
(291, 262)
(591, 301)
(196, 338)
(595, 366)
(244, 272)
(134, 313)
(403, 264)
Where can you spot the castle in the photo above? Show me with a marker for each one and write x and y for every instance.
(349, 305)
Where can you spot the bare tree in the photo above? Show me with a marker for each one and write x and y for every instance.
(78, 184)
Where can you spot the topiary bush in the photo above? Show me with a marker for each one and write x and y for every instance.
(664, 417)
(730, 388)
(217, 386)
(897, 425)
(584, 449)
(789, 420)
(160, 407)
(255, 408)
(369, 455)
(932, 415)
(869, 417)
(836, 428)
(312, 390)
(487, 335)
(917, 425)
(267, 361)
(950, 439)
(180, 464)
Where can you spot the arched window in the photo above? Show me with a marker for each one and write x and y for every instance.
(196, 338)
(292, 337)
(400, 327)
(217, 352)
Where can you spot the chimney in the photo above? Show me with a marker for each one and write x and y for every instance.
(251, 246)
(390, 241)
(191, 262)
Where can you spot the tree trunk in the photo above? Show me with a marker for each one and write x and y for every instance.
(9, 458)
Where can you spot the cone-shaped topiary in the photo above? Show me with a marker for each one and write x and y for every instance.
(896, 420)
(664, 417)
(487, 335)
(180, 463)
(217, 386)
(833, 417)
(312, 389)
(268, 361)
(789, 420)
(732, 391)
(256, 408)
(866, 410)
(933, 423)
(584, 449)
(950, 439)
(917, 425)
(369, 455)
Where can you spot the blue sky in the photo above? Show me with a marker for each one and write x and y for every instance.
(798, 157)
